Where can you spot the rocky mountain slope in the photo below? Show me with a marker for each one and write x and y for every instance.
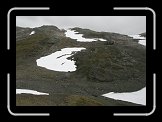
(143, 34)
(117, 65)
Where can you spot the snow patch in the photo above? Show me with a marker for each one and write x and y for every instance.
(142, 40)
(58, 61)
(74, 35)
(138, 97)
(33, 32)
(27, 91)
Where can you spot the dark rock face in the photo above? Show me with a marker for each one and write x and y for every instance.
(50, 30)
(22, 33)
(113, 63)
(143, 34)
(118, 65)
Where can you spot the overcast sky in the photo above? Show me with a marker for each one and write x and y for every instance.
(119, 24)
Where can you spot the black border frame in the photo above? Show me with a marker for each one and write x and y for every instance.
(151, 34)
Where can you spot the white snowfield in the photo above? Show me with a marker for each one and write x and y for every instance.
(33, 32)
(27, 91)
(74, 35)
(138, 97)
(58, 61)
(142, 40)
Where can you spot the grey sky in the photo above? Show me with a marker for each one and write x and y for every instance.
(118, 24)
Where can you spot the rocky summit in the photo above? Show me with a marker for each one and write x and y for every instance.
(115, 65)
